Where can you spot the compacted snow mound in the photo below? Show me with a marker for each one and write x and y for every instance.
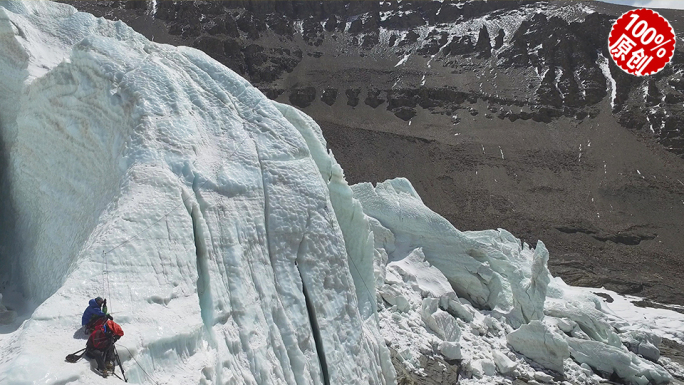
(225, 259)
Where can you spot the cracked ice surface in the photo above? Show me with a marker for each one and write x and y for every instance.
(488, 299)
(193, 183)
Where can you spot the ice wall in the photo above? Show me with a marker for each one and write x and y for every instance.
(348, 211)
(49, 135)
(492, 268)
(488, 299)
(225, 260)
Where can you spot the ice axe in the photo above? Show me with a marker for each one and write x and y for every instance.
(73, 357)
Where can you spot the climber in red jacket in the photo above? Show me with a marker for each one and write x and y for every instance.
(100, 346)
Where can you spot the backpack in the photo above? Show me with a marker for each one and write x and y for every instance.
(103, 337)
(113, 328)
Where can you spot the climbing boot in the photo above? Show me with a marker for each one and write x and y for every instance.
(102, 372)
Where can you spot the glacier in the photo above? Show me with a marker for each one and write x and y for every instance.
(200, 201)
(231, 248)
(488, 299)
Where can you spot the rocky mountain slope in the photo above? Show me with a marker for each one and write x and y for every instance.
(502, 114)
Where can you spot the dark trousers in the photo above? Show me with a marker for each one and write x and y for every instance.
(101, 356)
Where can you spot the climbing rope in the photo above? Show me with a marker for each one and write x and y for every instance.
(149, 376)
(105, 279)
(105, 282)
(104, 273)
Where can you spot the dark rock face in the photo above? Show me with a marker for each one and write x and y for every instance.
(627, 237)
(404, 113)
(460, 45)
(302, 97)
(329, 96)
(518, 117)
(373, 99)
(562, 50)
(498, 42)
(484, 45)
(353, 96)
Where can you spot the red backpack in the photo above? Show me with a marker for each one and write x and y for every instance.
(104, 336)
(114, 328)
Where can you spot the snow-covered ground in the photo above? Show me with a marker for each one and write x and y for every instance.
(232, 250)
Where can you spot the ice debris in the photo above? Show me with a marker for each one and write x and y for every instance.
(488, 302)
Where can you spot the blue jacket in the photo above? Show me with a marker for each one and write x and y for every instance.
(92, 310)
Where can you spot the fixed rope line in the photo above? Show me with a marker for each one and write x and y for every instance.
(104, 272)
(370, 296)
(140, 366)
(109, 292)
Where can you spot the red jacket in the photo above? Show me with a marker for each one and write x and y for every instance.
(104, 336)
(99, 340)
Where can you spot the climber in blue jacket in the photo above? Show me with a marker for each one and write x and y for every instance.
(94, 311)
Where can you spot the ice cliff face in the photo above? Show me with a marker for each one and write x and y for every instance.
(488, 268)
(225, 260)
(231, 248)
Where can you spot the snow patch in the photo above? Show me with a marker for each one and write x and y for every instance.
(403, 60)
(612, 90)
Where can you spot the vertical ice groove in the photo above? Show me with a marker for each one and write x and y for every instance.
(348, 212)
(266, 206)
(203, 283)
(283, 326)
(348, 218)
(203, 277)
(315, 330)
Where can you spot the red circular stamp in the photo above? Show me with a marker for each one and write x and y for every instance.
(641, 42)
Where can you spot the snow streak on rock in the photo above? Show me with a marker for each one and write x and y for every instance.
(605, 68)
